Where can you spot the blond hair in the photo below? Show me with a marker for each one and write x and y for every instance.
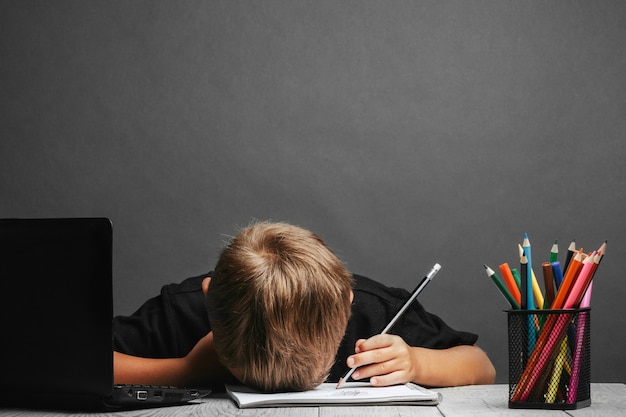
(279, 303)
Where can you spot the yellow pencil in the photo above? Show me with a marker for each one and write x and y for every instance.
(555, 378)
(537, 292)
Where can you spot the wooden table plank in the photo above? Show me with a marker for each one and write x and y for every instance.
(484, 401)
(475, 401)
(380, 411)
(610, 400)
(492, 400)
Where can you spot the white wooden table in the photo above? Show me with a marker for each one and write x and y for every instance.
(480, 400)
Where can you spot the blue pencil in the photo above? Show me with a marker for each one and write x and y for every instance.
(558, 275)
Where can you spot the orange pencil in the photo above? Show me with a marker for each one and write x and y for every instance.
(570, 276)
(510, 282)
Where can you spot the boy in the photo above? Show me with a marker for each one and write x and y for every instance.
(281, 313)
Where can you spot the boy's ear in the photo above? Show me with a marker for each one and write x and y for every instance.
(351, 295)
(205, 285)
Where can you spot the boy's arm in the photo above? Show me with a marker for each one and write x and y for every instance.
(129, 369)
(458, 365)
(201, 367)
(388, 360)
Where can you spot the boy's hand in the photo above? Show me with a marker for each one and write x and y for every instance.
(203, 364)
(385, 358)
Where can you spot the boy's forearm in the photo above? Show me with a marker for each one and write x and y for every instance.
(200, 367)
(459, 365)
(135, 370)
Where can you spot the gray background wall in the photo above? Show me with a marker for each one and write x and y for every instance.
(403, 133)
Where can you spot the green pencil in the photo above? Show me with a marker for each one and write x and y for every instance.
(554, 252)
(516, 277)
(490, 273)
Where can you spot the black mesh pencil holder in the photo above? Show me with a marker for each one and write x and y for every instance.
(549, 358)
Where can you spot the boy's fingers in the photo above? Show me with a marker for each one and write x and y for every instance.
(374, 342)
(386, 380)
(367, 357)
(387, 369)
(357, 346)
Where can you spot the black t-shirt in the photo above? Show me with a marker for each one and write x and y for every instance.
(170, 325)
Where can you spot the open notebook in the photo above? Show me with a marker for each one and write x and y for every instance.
(351, 393)
(56, 309)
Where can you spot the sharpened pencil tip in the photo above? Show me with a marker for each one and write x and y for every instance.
(340, 383)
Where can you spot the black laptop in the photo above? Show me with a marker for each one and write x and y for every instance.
(56, 309)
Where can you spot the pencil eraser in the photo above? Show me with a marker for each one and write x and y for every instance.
(437, 267)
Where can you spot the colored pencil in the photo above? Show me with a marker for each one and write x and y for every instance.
(568, 281)
(548, 282)
(503, 289)
(524, 289)
(537, 291)
(507, 276)
(528, 279)
(582, 281)
(526, 300)
(601, 251)
(586, 302)
(572, 391)
(571, 251)
(516, 277)
(538, 296)
(554, 252)
(557, 274)
(555, 379)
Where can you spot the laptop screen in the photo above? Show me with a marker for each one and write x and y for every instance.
(56, 306)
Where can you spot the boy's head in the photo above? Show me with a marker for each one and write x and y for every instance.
(279, 302)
